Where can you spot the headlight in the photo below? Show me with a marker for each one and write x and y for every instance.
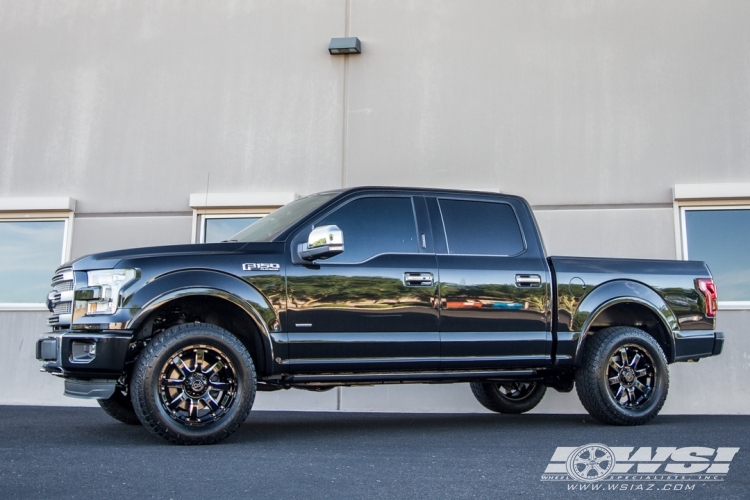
(105, 286)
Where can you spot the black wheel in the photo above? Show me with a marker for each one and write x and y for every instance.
(508, 397)
(193, 384)
(119, 407)
(624, 377)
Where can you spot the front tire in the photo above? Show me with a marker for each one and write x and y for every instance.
(624, 378)
(193, 384)
(508, 397)
(119, 407)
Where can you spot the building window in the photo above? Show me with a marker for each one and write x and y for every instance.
(716, 230)
(720, 236)
(216, 228)
(34, 242)
(219, 216)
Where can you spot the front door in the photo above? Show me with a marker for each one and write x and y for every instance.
(374, 306)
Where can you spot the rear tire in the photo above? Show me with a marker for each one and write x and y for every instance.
(509, 397)
(119, 407)
(193, 384)
(624, 378)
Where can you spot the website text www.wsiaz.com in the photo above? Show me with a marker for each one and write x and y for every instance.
(611, 487)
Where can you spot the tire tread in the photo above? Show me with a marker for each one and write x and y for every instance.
(119, 407)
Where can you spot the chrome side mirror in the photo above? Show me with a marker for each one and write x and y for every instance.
(324, 242)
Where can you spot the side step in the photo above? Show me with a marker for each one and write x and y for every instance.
(322, 379)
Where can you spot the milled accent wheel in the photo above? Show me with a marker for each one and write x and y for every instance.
(508, 397)
(624, 378)
(197, 385)
(631, 376)
(193, 384)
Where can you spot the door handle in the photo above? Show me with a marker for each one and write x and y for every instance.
(528, 280)
(418, 279)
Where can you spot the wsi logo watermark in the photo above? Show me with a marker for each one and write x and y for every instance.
(592, 463)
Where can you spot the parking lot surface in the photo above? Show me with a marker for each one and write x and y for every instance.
(49, 452)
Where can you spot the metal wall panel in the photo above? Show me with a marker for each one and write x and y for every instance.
(102, 234)
(563, 102)
(623, 233)
(127, 106)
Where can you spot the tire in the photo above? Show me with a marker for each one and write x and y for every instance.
(119, 407)
(176, 402)
(624, 378)
(509, 397)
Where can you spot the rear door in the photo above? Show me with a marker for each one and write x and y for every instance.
(494, 287)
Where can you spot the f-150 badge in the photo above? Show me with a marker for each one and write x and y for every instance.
(260, 267)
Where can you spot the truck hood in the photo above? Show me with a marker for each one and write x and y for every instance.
(108, 260)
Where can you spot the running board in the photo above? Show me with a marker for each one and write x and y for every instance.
(402, 377)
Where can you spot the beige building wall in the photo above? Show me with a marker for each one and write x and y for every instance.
(591, 110)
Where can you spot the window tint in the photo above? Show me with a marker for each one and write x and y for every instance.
(721, 238)
(29, 254)
(373, 226)
(481, 228)
(220, 229)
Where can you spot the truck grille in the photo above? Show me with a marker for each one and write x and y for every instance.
(63, 308)
(62, 286)
(60, 299)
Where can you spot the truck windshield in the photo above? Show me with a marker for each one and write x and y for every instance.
(273, 224)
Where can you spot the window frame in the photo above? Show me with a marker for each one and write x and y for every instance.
(42, 215)
(705, 197)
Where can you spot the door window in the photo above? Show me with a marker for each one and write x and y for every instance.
(481, 228)
(373, 226)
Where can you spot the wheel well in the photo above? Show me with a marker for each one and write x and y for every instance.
(211, 310)
(638, 316)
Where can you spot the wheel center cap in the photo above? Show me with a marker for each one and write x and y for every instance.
(627, 375)
(196, 385)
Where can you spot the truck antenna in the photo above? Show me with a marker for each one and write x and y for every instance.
(208, 180)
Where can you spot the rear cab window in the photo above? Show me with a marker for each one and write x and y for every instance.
(481, 228)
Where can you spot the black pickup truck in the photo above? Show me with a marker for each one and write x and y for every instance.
(372, 286)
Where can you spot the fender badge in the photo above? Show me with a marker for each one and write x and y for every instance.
(260, 267)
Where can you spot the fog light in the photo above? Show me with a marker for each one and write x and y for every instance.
(82, 352)
(104, 307)
(46, 350)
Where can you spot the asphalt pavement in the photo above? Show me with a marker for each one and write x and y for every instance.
(49, 452)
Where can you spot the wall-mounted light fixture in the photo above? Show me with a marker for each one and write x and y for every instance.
(348, 45)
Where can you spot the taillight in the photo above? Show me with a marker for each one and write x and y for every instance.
(708, 289)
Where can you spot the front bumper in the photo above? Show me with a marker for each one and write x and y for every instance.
(84, 355)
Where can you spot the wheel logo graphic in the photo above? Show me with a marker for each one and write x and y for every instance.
(592, 462)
